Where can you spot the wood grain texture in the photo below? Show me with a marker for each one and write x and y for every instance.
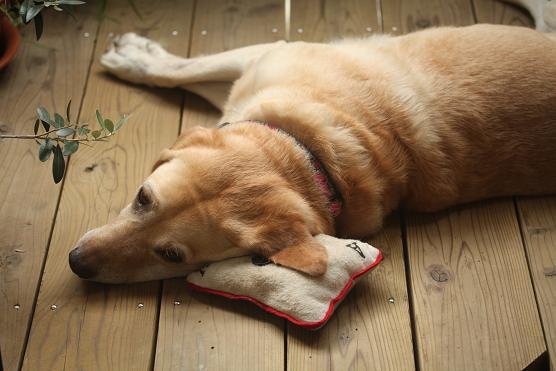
(326, 20)
(227, 24)
(28, 195)
(204, 331)
(367, 331)
(538, 225)
(494, 11)
(474, 304)
(102, 327)
(371, 329)
(403, 16)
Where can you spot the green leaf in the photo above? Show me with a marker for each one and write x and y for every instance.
(96, 134)
(83, 131)
(38, 26)
(121, 122)
(70, 147)
(100, 120)
(49, 143)
(24, 8)
(109, 125)
(43, 114)
(68, 109)
(32, 11)
(64, 132)
(58, 165)
(58, 121)
(45, 125)
(44, 151)
(36, 128)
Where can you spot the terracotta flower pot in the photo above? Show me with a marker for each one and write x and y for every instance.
(9, 41)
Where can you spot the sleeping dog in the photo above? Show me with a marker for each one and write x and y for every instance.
(329, 138)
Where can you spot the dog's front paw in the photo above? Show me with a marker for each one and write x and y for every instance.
(133, 58)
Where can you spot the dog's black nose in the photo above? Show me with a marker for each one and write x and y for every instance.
(79, 266)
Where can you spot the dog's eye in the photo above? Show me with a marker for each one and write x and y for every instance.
(170, 254)
(143, 198)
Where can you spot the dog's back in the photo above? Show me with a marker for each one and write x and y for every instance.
(475, 107)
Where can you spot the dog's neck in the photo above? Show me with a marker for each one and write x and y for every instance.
(320, 174)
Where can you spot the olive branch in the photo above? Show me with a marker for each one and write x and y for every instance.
(62, 138)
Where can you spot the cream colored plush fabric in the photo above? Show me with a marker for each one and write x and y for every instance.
(305, 300)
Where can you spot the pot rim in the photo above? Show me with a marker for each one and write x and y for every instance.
(9, 36)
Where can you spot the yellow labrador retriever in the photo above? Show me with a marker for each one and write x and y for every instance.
(329, 138)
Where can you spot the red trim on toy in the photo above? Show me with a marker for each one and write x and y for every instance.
(308, 325)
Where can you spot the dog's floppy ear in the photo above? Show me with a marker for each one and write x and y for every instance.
(273, 221)
(307, 256)
(291, 245)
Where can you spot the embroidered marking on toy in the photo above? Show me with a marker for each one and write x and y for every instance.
(353, 245)
(260, 260)
(203, 269)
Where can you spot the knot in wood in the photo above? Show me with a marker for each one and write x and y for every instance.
(90, 168)
(439, 273)
(423, 23)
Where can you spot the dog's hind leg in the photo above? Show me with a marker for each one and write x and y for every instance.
(140, 60)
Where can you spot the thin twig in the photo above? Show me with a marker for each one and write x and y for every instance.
(44, 136)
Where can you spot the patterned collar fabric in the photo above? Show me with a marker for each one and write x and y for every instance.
(320, 175)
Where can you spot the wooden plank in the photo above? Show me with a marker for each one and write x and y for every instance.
(494, 11)
(368, 331)
(538, 225)
(28, 196)
(93, 326)
(322, 20)
(206, 332)
(474, 306)
(474, 303)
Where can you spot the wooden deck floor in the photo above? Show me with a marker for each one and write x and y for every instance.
(472, 288)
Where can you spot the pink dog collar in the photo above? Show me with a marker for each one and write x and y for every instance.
(320, 175)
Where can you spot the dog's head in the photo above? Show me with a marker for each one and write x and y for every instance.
(211, 196)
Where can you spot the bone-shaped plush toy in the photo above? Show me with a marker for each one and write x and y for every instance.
(301, 299)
